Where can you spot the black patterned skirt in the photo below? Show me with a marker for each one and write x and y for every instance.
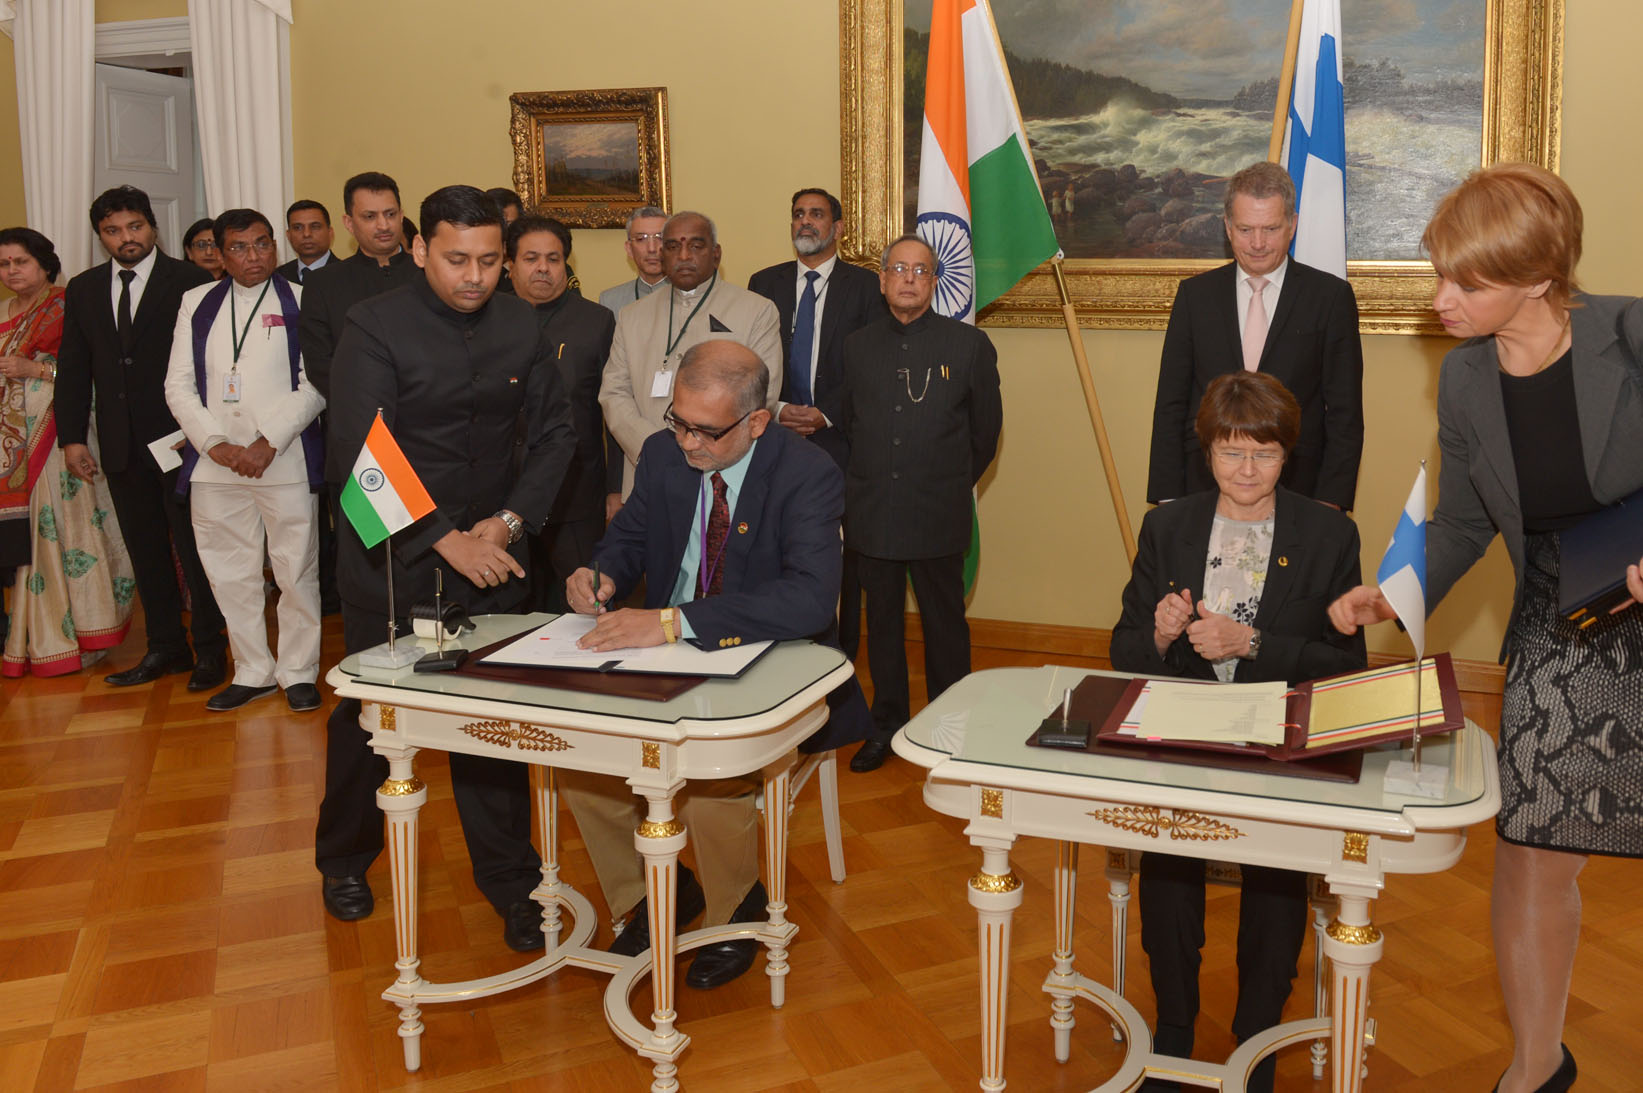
(1571, 725)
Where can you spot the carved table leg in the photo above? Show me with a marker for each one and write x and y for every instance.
(1352, 945)
(400, 798)
(659, 839)
(776, 784)
(1066, 899)
(547, 831)
(1320, 993)
(995, 893)
(1120, 872)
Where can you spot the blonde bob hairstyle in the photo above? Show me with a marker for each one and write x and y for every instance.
(1510, 224)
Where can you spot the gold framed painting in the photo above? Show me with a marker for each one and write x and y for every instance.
(1108, 97)
(590, 158)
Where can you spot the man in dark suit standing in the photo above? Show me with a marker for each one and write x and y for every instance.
(1263, 312)
(821, 301)
(921, 409)
(734, 527)
(452, 367)
(308, 230)
(579, 331)
(117, 342)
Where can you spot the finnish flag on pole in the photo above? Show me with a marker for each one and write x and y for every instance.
(1402, 575)
(1315, 140)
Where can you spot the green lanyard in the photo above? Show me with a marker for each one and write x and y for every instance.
(234, 323)
(672, 342)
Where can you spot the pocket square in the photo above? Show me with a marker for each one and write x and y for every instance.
(716, 326)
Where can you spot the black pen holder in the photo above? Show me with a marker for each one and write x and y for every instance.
(455, 617)
(1073, 735)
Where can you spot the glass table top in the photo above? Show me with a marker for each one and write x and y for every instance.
(785, 670)
(988, 716)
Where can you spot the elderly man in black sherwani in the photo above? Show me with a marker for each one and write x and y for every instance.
(452, 367)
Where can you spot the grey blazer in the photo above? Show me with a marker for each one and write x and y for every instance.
(1477, 484)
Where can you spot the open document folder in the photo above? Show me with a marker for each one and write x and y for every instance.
(553, 645)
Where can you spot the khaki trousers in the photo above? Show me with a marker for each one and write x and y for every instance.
(721, 824)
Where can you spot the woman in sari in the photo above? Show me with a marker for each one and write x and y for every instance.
(72, 594)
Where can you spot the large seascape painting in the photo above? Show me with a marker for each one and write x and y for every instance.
(1138, 111)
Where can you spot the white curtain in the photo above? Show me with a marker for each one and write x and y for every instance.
(54, 42)
(241, 100)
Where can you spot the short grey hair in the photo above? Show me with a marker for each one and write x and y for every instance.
(722, 364)
(1260, 181)
(910, 237)
(645, 214)
(712, 228)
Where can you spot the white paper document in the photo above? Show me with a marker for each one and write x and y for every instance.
(1226, 713)
(164, 452)
(553, 645)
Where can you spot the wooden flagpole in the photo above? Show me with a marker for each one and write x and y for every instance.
(1286, 82)
(1116, 491)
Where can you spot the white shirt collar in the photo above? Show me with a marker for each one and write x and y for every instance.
(825, 270)
(143, 269)
(1274, 280)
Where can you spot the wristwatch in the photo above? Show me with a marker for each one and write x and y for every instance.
(1254, 644)
(670, 630)
(516, 526)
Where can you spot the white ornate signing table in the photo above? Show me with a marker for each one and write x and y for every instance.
(718, 729)
(972, 740)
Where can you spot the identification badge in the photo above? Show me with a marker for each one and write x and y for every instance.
(231, 387)
(661, 385)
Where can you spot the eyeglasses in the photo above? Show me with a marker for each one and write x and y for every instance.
(920, 272)
(644, 237)
(701, 433)
(203, 244)
(1234, 457)
(263, 245)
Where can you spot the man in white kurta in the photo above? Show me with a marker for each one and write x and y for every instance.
(236, 386)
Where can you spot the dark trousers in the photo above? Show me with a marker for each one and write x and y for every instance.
(850, 604)
(329, 515)
(154, 520)
(1271, 929)
(558, 552)
(492, 797)
(938, 586)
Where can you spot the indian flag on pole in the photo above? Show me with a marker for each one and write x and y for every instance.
(979, 203)
(383, 495)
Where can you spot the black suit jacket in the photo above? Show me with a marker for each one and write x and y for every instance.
(781, 574)
(288, 270)
(851, 302)
(1314, 559)
(130, 390)
(1312, 347)
(579, 331)
(326, 300)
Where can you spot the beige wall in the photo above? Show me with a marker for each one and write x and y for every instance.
(392, 85)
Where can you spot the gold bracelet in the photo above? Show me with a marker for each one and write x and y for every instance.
(670, 633)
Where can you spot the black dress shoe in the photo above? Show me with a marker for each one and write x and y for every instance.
(871, 755)
(717, 965)
(522, 926)
(302, 697)
(150, 668)
(688, 903)
(1562, 1078)
(209, 671)
(347, 898)
(233, 696)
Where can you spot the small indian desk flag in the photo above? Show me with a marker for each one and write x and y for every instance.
(1402, 575)
(384, 494)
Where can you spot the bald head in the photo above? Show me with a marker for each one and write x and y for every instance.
(729, 367)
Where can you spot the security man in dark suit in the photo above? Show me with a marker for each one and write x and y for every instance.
(821, 301)
(921, 409)
(1263, 312)
(451, 365)
(117, 342)
(308, 230)
(580, 332)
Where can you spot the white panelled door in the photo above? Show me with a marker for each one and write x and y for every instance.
(145, 137)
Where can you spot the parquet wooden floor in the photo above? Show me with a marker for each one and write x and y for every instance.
(161, 929)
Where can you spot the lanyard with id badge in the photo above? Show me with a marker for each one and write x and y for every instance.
(661, 384)
(239, 334)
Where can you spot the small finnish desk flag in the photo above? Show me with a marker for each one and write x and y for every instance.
(1402, 575)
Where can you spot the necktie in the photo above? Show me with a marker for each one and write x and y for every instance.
(1255, 325)
(804, 333)
(302, 273)
(710, 578)
(122, 317)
